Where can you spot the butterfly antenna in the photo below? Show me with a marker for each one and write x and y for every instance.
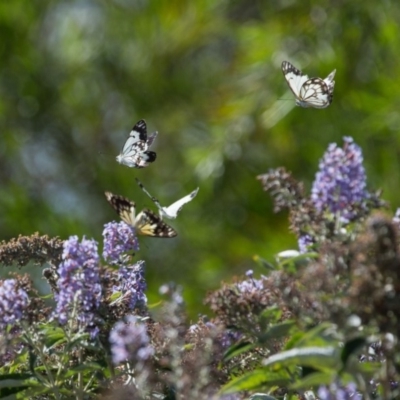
(153, 199)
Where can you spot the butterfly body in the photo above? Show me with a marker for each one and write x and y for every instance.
(135, 153)
(309, 92)
(146, 222)
(173, 210)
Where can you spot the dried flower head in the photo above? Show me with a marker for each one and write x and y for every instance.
(284, 189)
(39, 249)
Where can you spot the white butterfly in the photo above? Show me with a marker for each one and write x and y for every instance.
(173, 210)
(134, 153)
(313, 92)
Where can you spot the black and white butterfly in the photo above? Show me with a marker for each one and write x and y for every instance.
(146, 222)
(309, 92)
(134, 153)
(173, 210)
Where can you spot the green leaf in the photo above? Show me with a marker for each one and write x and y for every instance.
(272, 314)
(351, 347)
(314, 337)
(53, 335)
(77, 340)
(237, 349)
(320, 358)
(261, 396)
(264, 263)
(278, 331)
(256, 379)
(12, 392)
(12, 384)
(14, 379)
(315, 379)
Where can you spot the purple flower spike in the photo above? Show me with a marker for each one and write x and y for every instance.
(79, 283)
(340, 184)
(130, 342)
(13, 302)
(132, 284)
(119, 238)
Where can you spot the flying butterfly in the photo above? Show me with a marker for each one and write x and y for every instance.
(146, 222)
(173, 210)
(309, 92)
(134, 153)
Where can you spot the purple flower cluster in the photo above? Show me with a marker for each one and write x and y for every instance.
(340, 184)
(131, 284)
(130, 342)
(119, 238)
(251, 284)
(13, 302)
(348, 392)
(79, 283)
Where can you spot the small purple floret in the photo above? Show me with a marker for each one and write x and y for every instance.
(305, 242)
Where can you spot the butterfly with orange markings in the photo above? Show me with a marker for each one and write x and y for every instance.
(145, 223)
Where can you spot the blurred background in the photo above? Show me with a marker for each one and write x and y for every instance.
(75, 76)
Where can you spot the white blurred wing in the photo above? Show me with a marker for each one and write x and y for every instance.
(151, 138)
(173, 210)
(329, 80)
(294, 78)
(134, 153)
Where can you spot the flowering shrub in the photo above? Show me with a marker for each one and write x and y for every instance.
(321, 322)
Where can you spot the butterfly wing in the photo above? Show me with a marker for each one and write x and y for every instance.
(123, 206)
(151, 138)
(149, 224)
(316, 93)
(329, 80)
(139, 131)
(144, 159)
(173, 210)
(294, 78)
(137, 138)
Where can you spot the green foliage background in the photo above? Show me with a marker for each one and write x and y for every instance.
(76, 75)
